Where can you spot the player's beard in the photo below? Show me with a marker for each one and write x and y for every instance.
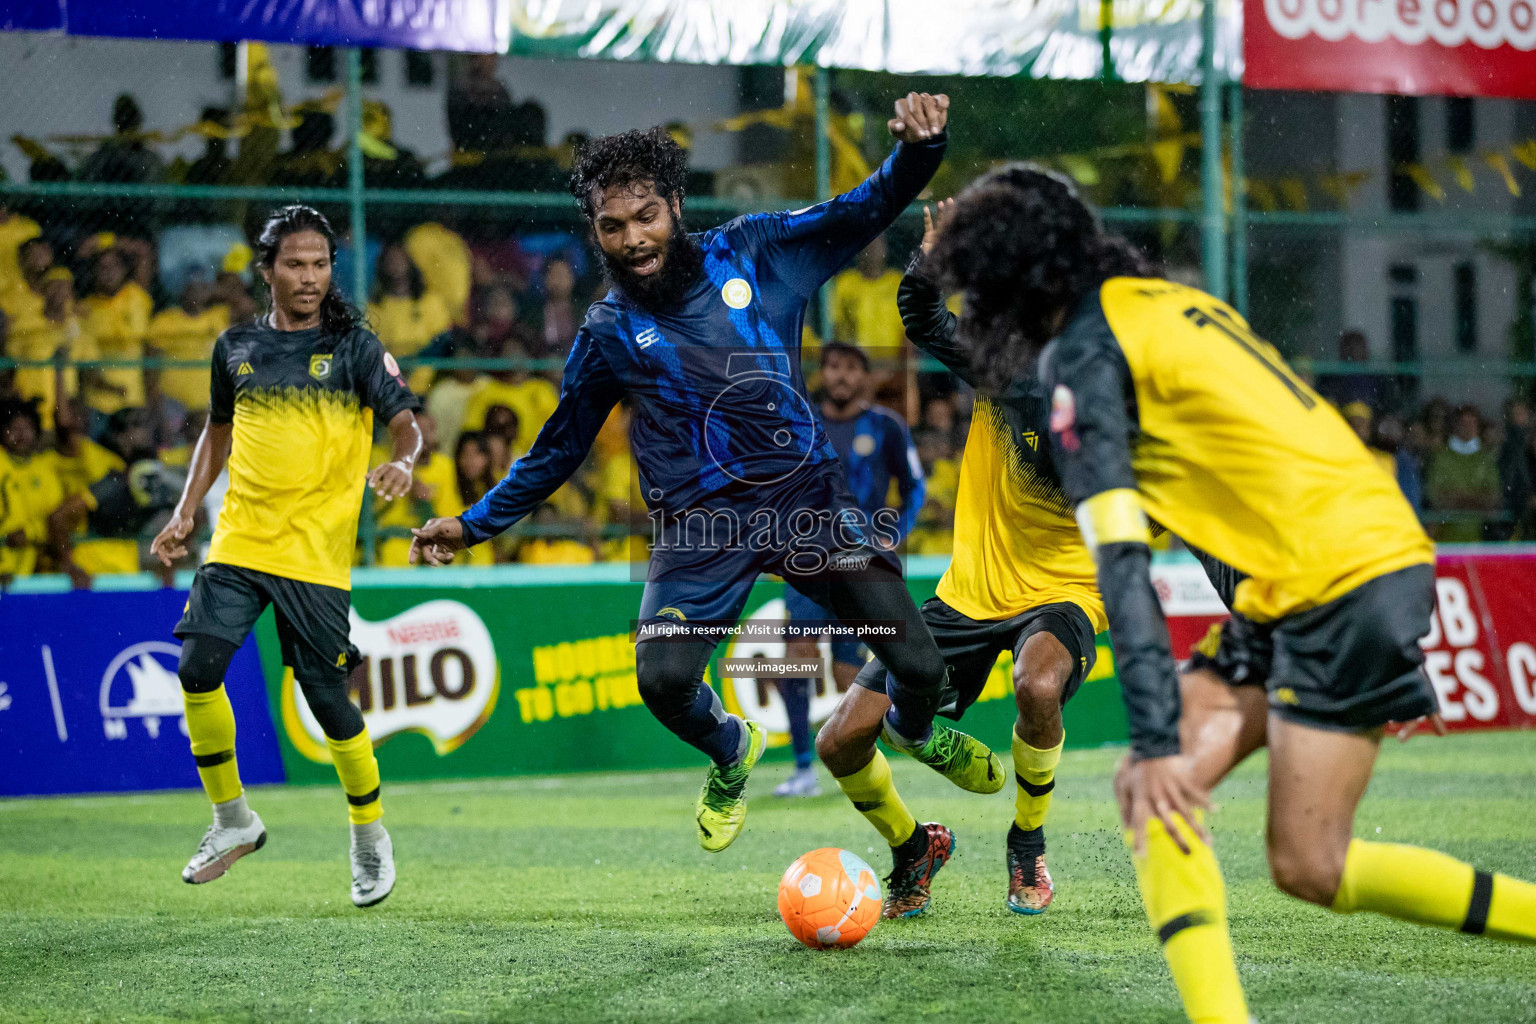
(665, 289)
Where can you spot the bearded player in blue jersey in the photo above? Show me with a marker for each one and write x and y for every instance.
(702, 332)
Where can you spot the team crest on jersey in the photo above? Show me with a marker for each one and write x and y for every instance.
(320, 365)
(736, 293)
(1064, 416)
(864, 444)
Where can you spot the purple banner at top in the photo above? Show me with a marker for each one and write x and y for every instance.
(475, 26)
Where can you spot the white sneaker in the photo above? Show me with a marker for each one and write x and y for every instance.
(802, 783)
(373, 869)
(221, 847)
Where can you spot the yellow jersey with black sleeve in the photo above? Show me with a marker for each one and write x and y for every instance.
(303, 405)
(1166, 405)
(1016, 543)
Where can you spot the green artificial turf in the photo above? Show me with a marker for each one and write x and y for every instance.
(586, 898)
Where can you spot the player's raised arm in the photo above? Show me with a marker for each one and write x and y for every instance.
(812, 244)
(928, 322)
(588, 392)
(1090, 441)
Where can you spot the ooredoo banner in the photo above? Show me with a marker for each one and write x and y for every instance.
(1412, 47)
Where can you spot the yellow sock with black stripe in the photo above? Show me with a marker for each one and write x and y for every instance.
(1186, 904)
(874, 796)
(359, 773)
(211, 727)
(1428, 887)
(1035, 772)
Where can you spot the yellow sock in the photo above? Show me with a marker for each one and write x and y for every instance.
(359, 772)
(1186, 904)
(1035, 772)
(211, 726)
(874, 796)
(1433, 888)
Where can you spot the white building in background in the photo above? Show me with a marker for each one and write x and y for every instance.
(57, 86)
(1441, 295)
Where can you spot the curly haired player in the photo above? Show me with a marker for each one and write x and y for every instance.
(1167, 406)
(702, 332)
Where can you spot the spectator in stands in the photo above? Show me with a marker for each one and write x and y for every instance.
(404, 314)
(231, 292)
(434, 492)
(1515, 486)
(29, 489)
(1391, 438)
(1436, 417)
(309, 162)
(120, 508)
(444, 260)
(386, 163)
(864, 304)
(117, 314)
(479, 106)
(472, 467)
(214, 166)
(14, 231)
(79, 459)
(1361, 420)
(502, 429)
(934, 532)
(561, 315)
(42, 325)
(555, 542)
(1343, 388)
(187, 332)
(123, 158)
(1463, 477)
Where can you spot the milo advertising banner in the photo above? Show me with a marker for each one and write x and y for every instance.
(535, 673)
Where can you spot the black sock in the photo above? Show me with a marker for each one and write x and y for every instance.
(1026, 845)
(914, 846)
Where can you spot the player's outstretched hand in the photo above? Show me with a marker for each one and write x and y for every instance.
(1164, 788)
(919, 117)
(390, 480)
(437, 541)
(169, 544)
(933, 223)
(1434, 721)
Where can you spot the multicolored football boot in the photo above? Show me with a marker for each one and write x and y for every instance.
(906, 887)
(1030, 889)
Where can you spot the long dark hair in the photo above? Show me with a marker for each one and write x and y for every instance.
(473, 489)
(337, 315)
(1024, 248)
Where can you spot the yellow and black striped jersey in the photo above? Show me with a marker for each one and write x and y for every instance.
(1016, 543)
(303, 405)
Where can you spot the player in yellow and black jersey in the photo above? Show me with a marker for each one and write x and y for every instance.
(1021, 581)
(293, 401)
(1165, 404)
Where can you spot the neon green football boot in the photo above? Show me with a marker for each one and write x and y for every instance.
(722, 806)
(960, 758)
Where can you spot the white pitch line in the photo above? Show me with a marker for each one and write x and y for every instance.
(53, 694)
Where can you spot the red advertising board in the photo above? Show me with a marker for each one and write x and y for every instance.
(1413, 47)
(1480, 654)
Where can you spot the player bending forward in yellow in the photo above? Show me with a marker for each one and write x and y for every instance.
(1166, 405)
(1020, 581)
(294, 397)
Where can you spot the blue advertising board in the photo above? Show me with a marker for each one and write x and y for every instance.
(90, 702)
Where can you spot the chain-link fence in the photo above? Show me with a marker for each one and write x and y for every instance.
(125, 247)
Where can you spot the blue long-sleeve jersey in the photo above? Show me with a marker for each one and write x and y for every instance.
(718, 398)
(876, 448)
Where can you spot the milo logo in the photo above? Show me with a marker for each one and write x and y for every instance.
(431, 669)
